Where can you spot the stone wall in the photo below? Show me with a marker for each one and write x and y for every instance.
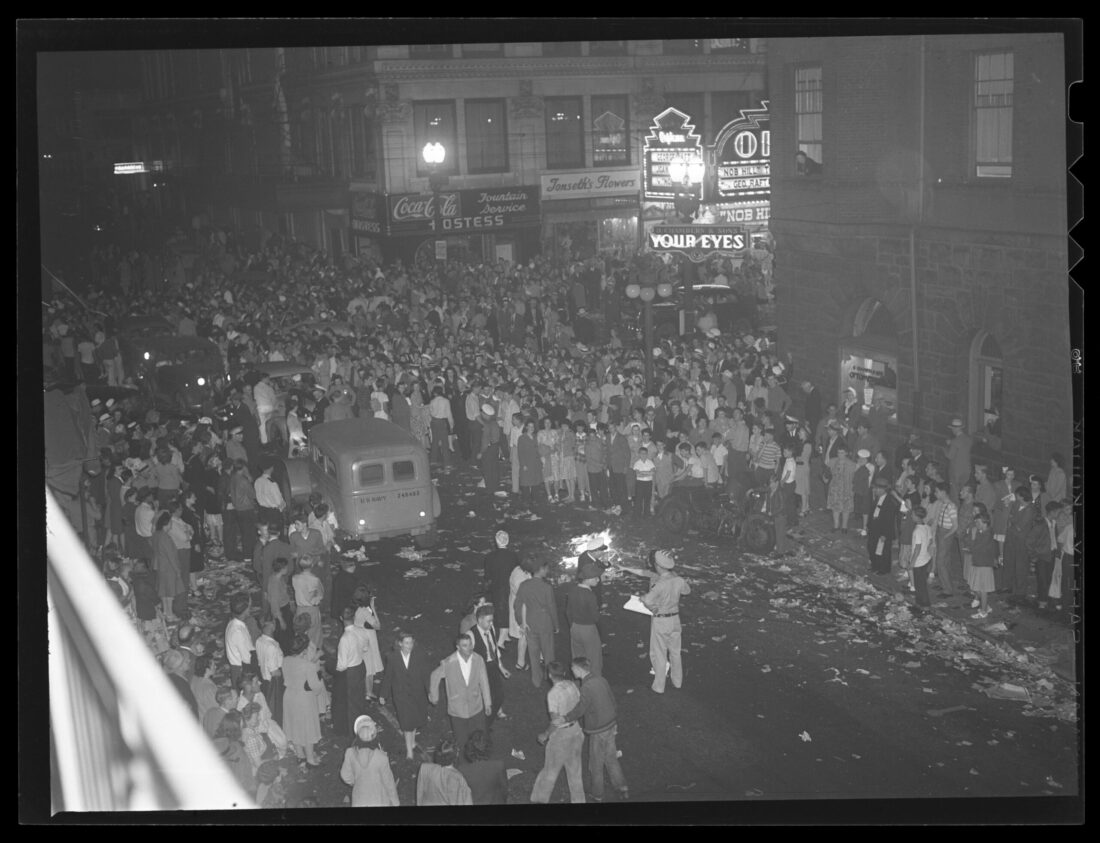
(1014, 286)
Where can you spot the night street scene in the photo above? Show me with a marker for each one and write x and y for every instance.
(584, 423)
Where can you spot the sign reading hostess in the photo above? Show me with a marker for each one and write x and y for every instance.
(463, 211)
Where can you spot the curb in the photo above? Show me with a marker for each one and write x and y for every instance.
(973, 629)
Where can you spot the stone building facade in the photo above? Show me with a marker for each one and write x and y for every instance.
(919, 261)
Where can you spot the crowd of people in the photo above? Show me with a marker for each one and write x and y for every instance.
(520, 367)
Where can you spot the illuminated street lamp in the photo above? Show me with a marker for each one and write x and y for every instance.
(434, 154)
(647, 291)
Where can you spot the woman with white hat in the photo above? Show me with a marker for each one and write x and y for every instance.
(366, 768)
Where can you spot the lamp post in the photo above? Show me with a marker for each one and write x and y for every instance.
(647, 290)
(434, 154)
(688, 176)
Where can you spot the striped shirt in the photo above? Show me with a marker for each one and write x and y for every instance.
(769, 456)
(948, 516)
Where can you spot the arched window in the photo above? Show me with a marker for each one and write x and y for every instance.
(874, 320)
(986, 378)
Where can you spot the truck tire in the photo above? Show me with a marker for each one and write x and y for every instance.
(758, 534)
(674, 516)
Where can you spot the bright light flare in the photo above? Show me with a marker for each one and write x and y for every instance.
(578, 545)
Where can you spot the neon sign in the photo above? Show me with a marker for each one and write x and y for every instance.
(671, 138)
(742, 152)
(697, 242)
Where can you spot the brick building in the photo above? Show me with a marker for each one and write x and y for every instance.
(324, 144)
(921, 239)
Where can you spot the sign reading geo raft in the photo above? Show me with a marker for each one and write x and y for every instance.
(697, 242)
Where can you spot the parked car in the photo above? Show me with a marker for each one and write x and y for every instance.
(174, 372)
(669, 316)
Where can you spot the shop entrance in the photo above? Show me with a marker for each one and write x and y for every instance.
(869, 360)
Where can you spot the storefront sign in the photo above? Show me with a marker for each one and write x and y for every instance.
(671, 138)
(463, 211)
(591, 184)
(872, 378)
(697, 242)
(742, 155)
(745, 213)
(366, 214)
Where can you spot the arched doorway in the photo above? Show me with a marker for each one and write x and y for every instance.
(869, 360)
(986, 387)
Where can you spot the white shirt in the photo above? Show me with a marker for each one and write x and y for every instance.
(307, 589)
(490, 648)
(440, 408)
(473, 406)
(270, 656)
(349, 652)
(264, 396)
(238, 643)
(465, 665)
(643, 469)
(405, 658)
(144, 516)
(788, 470)
(719, 452)
(268, 493)
(922, 535)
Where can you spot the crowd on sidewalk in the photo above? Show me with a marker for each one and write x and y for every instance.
(520, 366)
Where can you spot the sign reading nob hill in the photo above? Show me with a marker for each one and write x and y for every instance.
(743, 152)
(671, 138)
(697, 242)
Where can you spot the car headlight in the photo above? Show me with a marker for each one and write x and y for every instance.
(201, 381)
(146, 355)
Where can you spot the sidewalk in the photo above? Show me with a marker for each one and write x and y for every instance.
(1043, 636)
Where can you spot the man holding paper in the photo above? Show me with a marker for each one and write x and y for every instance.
(663, 600)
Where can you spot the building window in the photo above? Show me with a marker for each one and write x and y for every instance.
(607, 48)
(610, 131)
(561, 48)
(478, 51)
(430, 51)
(729, 45)
(993, 84)
(986, 380)
(693, 106)
(807, 110)
(564, 132)
(486, 137)
(684, 47)
(434, 122)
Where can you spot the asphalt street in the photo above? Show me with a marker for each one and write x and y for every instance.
(800, 682)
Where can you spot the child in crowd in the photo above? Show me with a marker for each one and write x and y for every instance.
(719, 451)
(983, 557)
(644, 469)
(923, 549)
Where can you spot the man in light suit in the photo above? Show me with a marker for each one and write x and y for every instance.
(468, 694)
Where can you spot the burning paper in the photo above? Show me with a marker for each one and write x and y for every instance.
(580, 544)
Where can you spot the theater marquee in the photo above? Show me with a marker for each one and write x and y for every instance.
(697, 242)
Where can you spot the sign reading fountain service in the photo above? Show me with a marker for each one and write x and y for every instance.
(697, 242)
(463, 211)
(591, 183)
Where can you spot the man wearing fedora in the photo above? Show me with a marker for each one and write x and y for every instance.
(489, 447)
(582, 611)
(958, 457)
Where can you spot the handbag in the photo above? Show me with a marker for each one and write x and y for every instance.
(827, 475)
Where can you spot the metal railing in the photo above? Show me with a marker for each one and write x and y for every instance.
(121, 738)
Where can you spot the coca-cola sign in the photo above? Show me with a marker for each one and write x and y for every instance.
(463, 211)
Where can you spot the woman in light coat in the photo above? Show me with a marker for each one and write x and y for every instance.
(367, 769)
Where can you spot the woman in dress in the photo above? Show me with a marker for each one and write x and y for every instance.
(803, 457)
(421, 418)
(530, 463)
(166, 563)
(366, 768)
(520, 574)
(406, 683)
(366, 618)
(301, 715)
(568, 440)
(549, 442)
(756, 441)
(841, 498)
